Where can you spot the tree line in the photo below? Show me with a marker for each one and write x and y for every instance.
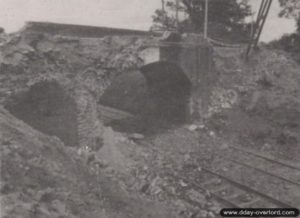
(227, 19)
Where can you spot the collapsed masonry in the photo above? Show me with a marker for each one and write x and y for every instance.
(54, 82)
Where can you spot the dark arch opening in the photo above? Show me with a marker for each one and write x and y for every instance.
(47, 108)
(169, 91)
(158, 95)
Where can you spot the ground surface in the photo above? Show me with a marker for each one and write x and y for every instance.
(40, 177)
(245, 152)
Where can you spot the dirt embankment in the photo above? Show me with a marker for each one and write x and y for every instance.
(259, 100)
(40, 177)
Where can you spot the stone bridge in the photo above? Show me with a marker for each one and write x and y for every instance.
(175, 66)
(60, 79)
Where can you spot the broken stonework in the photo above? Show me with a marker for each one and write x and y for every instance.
(83, 68)
(86, 67)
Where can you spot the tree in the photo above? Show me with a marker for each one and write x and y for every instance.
(226, 15)
(290, 42)
(291, 9)
(163, 21)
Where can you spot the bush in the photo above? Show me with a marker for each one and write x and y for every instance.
(290, 43)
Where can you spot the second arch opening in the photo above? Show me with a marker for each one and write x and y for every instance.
(158, 96)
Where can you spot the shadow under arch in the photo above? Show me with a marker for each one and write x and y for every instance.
(169, 89)
(47, 107)
(157, 94)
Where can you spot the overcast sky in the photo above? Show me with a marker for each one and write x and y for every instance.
(135, 14)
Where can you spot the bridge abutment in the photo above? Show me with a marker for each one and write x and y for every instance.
(194, 56)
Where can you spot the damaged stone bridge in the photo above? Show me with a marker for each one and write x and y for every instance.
(176, 67)
(52, 76)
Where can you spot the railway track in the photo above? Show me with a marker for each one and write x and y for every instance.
(279, 179)
(230, 191)
(245, 179)
(268, 158)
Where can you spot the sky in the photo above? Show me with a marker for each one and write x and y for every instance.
(133, 14)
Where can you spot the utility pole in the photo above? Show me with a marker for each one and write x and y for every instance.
(205, 19)
(163, 5)
(177, 15)
(260, 21)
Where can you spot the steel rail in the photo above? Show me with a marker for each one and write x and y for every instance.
(198, 187)
(286, 164)
(250, 190)
(236, 185)
(265, 172)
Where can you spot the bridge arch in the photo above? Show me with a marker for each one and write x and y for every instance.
(170, 90)
(47, 107)
(158, 95)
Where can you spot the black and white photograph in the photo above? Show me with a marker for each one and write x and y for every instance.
(149, 108)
